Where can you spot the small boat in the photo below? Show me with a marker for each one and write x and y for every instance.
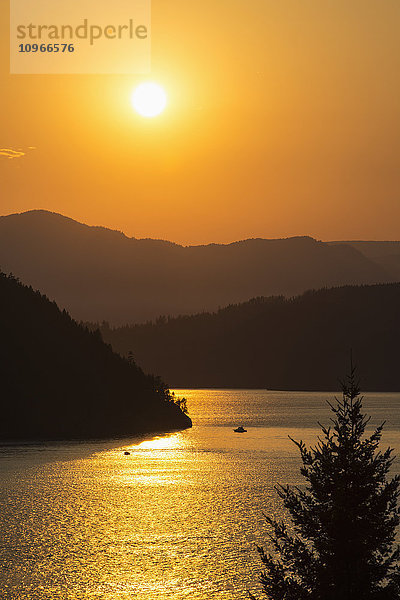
(127, 453)
(240, 430)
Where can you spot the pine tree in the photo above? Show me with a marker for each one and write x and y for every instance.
(340, 543)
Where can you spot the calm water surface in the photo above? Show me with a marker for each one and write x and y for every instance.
(178, 518)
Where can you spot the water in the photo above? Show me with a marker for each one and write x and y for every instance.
(177, 519)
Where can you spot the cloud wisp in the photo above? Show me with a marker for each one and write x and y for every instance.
(10, 154)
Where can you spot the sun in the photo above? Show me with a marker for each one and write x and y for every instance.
(149, 99)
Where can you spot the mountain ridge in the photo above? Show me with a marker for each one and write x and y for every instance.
(101, 274)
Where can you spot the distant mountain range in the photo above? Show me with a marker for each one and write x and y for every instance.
(60, 381)
(99, 274)
(276, 343)
(385, 254)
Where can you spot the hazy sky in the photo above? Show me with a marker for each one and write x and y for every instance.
(283, 119)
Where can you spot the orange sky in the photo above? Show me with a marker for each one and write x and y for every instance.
(283, 120)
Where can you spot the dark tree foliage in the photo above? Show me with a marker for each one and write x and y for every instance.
(340, 544)
(275, 343)
(60, 380)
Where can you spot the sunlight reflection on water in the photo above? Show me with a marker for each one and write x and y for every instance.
(177, 518)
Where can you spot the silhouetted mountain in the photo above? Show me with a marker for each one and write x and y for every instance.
(276, 343)
(59, 380)
(384, 254)
(97, 274)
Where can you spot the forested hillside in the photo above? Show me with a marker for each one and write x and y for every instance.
(275, 342)
(59, 380)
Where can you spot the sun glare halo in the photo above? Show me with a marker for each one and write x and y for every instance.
(149, 99)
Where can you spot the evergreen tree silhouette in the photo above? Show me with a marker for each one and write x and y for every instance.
(340, 544)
